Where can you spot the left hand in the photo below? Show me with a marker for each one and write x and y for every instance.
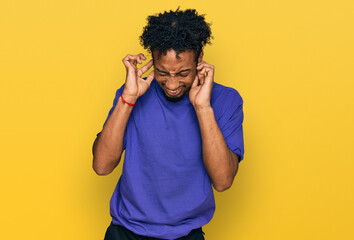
(200, 92)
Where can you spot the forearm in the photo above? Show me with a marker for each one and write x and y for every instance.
(108, 149)
(217, 157)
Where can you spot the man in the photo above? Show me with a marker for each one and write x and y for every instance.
(181, 132)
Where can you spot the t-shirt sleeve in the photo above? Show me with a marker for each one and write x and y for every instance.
(118, 93)
(230, 122)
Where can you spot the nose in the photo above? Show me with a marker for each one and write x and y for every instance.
(172, 83)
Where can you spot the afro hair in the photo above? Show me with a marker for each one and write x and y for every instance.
(176, 30)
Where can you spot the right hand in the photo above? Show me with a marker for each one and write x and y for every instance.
(135, 86)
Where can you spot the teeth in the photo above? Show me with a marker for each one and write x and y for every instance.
(173, 91)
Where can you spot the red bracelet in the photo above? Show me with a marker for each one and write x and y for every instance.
(131, 104)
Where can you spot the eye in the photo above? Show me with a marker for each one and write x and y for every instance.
(183, 75)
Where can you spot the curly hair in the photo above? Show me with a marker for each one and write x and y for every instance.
(176, 30)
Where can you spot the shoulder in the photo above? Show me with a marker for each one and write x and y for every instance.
(225, 102)
(225, 96)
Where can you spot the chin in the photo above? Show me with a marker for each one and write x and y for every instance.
(174, 99)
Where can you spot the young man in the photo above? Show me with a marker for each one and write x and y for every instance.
(181, 131)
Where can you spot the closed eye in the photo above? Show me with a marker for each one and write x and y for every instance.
(183, 75)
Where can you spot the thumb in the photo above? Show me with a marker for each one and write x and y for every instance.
(195, 82)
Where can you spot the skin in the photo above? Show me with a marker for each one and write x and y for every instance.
(174, 73)
(197, 81)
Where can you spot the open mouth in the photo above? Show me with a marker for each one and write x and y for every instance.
(173, 93)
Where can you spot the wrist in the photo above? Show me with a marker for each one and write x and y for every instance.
(202, 108)
(128, 98)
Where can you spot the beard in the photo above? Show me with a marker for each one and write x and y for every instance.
(173, 99)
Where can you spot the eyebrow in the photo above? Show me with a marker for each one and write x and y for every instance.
(184, 70)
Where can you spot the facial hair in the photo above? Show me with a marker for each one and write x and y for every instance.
(173, 99)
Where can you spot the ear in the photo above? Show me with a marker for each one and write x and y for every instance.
(200, 58)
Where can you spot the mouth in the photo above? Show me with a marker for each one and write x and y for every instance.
(175, 92)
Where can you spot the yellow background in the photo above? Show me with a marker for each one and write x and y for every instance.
(291, 61)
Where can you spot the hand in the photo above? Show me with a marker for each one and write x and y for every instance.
(135, 86)
(200, 92)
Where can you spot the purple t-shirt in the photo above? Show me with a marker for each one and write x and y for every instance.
(164, 190)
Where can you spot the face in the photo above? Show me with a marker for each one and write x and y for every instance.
(175, 76)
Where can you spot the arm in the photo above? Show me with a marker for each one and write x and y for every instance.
(220, 162)
(108, 146)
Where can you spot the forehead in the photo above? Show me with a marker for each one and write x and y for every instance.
(170, 62)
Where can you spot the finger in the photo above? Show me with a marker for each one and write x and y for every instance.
(208, 75)
(201, 65)
(131, 60)
(195, 82)
(136, 59)
(201, 77)
(202, 68)
(206, 71)
(146, 67)
(129, 57)
(201, 62)
(141, 57)
(125, 60)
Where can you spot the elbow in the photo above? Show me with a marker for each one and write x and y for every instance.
(222, 188)
(100, 170)
(228, 180)
(225, 184)
(104, 163)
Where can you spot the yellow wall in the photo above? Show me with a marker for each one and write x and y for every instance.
(291, 61)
